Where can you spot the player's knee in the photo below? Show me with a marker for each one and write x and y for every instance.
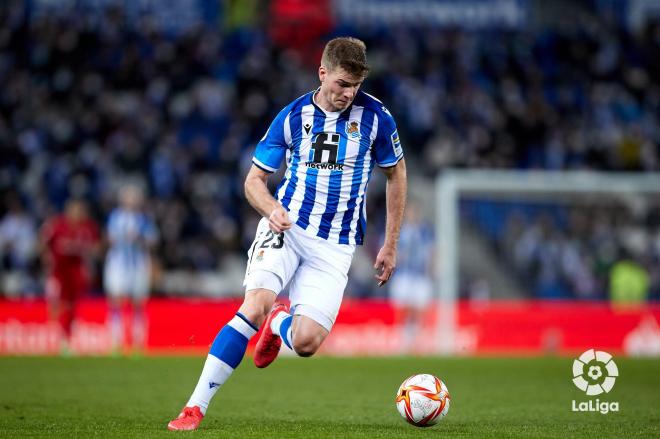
(306, 345)
(254, 313)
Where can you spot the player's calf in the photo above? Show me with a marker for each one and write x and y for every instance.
(224, 357)
(306, 345)
(308, 336)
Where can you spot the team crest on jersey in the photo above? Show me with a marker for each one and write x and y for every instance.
(396, 143)
(353, 129)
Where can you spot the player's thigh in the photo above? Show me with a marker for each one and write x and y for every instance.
(116, 279)
(81, 282)
(317, 288)
(68, 285)
(53, 288)
(411, 289)
(140, 282)
(423, 292)
(272, 260)
(407, 290)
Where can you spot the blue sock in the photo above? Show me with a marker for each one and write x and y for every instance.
(230, 343)
(225, 355)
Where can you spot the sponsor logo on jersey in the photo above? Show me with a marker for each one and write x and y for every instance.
(329, 166)
(325, 147)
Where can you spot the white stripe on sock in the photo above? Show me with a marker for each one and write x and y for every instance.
(241, 326)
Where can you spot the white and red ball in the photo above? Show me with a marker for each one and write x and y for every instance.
(423, 400)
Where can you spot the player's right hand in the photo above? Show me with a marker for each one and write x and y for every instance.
(385, 263)
(278, 221)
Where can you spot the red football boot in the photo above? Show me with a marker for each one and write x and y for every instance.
(269, 344)
(188, 419)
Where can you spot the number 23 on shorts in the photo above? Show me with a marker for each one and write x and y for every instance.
(270, 239)
(273, 240)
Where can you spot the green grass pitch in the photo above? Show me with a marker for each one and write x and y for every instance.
(317, 398)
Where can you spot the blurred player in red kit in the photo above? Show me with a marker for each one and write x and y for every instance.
(70, 241)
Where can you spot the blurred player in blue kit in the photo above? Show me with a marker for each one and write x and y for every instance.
(132, 234)
(411, 288)
(331, 138)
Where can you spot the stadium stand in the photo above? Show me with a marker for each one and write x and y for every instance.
(88, 103)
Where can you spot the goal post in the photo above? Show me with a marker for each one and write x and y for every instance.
(452, 184)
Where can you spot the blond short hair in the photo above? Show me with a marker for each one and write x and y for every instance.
(348, 53)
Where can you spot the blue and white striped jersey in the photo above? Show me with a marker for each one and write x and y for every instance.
(330, 156)
(129, 232)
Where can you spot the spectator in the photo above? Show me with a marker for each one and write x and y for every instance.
(18, 245)
(89, 102)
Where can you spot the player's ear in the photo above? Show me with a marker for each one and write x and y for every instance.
(323, 72)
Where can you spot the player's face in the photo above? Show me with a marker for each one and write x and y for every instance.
(131, 198)
(338, 88)
(76, 211)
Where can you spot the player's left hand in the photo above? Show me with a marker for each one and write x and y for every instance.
(385, 263)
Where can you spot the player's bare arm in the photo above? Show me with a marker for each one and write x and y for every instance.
(395, 193)
(259, 197)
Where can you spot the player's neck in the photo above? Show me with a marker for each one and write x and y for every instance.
(323, 103)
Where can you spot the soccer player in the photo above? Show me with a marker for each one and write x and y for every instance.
(331, 137)
(131, 234)
(411, 287)
(70, 241)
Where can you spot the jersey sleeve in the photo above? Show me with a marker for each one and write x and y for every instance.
(387, 146)
(272, 148)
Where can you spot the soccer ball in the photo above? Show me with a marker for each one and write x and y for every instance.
(423, 400)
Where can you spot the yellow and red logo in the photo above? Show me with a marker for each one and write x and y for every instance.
(353, 129)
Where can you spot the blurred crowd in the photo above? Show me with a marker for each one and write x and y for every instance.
(585, 97)
(581, 249)
(89, 104)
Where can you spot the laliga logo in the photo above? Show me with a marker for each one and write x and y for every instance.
(594, 372)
